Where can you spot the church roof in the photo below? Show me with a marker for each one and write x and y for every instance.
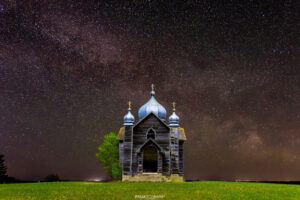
(181, 135)
(151, 113)
(120, 135)
(152, 106)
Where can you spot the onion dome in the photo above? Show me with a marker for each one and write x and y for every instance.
(174, 119)
(128, 118)
(152, 106)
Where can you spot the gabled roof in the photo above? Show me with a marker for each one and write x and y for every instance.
(151, 113)
(150, 140)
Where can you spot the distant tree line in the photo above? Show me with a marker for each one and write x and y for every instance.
(4, 178)
(52, 178)
(3, 170)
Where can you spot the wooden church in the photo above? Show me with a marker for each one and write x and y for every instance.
(152, 148)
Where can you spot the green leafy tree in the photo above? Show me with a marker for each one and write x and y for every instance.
(108, 155)
(3, 169)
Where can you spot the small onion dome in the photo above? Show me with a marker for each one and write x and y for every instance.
(174, 119)
(128, 118)
(152, 106)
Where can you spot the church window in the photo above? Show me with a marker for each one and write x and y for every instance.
(151, 134)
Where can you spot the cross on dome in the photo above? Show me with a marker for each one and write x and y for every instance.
(174, 104)
(152, 91)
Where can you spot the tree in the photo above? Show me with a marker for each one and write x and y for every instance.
(3, 169)
(52, 178)
(108, 155)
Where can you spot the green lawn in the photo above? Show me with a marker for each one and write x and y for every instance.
(127, 190)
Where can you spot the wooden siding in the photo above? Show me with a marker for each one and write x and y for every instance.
(127, 150)
(181, 156)
(174, 150)
(167, 143)
(161, 137)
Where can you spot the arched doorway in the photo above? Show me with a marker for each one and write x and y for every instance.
(150, 159)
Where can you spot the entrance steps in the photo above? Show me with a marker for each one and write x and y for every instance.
(152, 177)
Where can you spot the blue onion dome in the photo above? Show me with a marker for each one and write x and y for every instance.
(174, 119)
(152, 106)
(128, 118)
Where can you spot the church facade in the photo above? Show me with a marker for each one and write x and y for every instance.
(152, 149)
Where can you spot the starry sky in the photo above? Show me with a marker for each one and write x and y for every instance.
(68, 69)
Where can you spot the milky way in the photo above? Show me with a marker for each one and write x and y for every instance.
(68, 69)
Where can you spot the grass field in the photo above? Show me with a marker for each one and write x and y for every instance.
(147, 190)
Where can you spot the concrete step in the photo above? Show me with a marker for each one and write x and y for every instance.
(152, 177)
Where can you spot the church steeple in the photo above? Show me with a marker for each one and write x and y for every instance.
(128, 118)
(152, 106)
(174, 119)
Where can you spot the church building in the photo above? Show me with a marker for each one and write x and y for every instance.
(152, 148)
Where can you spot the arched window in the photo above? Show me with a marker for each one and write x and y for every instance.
(151, 134)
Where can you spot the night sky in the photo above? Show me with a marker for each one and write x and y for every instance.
(68, 69)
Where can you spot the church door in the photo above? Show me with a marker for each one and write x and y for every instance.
(150, 159)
